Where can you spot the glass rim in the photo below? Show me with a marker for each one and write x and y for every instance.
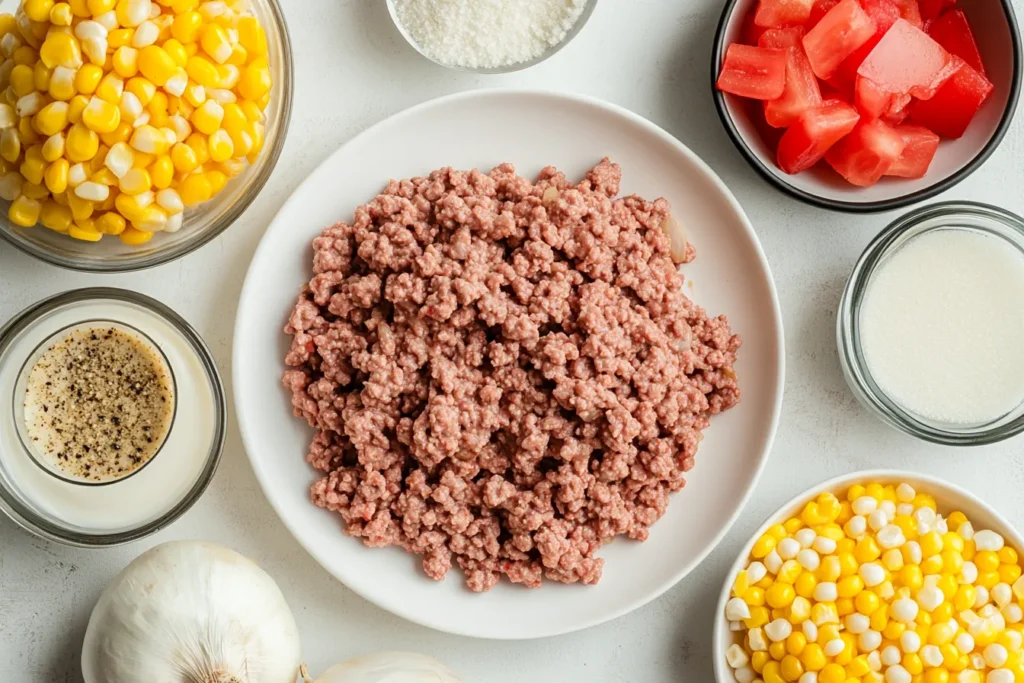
(19, 420)
(847, 325)
(44, 528)
(232, 214)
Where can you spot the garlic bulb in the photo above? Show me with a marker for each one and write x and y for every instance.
(389, 667)
(191, 612)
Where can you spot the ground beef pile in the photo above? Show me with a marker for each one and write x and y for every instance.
(504, 375)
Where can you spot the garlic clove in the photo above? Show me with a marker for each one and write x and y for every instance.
(678, 243)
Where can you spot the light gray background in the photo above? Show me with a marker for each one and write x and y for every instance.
(352, 69)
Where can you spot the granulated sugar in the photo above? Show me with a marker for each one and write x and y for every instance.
(487, 34)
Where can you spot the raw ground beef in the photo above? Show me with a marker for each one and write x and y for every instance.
(504, 375)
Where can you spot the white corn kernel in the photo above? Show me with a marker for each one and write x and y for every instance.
(857, 623)
(969, 573)
(995, 655)
(864, 505)
(756, 571)
(988, 540)
(174, 222)
(980, 596)
(29, 104)
(897, 674)
(966, 531)
(910, 641)
(1001, 594)
(788, 548)
(93, 191)
(808, 559)
(903, 610)
(810, 630)
(805, 537)
(886, 590)
(826, 592)
(890, 655)
(1000, 676)
(834, 647)
(929, 598)
(745, 674)
(905, 493)
(778, 630)
(904, 509)
(221, 95)
(964, 642)
(108, 20)
(182, 129)
(872, 574)
(134, 11)
(154, 220)
(773, 562)
(131, 107)
(10, 186)
(119, 159)
(735, 610)
(857, 526)
(914, 550)
(736, 656)
(9, 43)
(892, 559)
(877, 520)
(170, 201)
(8, 119)
(77, 175)
(756, 639)
(875, 661)
(91, 30)
(1015, 638)
(931, 655)
(889, 508)
(1018, 587)
(824, 546)
(734, 626)
(141, 121)
(869, 641)
(177, 83)
(145, 35)
(1013, 615)
(96, 50)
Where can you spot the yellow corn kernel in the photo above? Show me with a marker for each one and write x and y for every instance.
(234, 121)
(804, 584)
(37, 10)
(135, 181)
(759, 616)
(740, 584)
(195, 189)
(955, 519)
(790, 569)
(61, 15)
(187, 26)
(931, 544)
(964, 598)
(111, 223)
(799, 611)
(23, 80)
(185, 161)
(52, 118)
(125, 61)
(952, 561)
(156, 65)
(122, 133)
(867, 550)
(99, 159)
(911, 577)
(104, 176)
(867, 602)
(795, 643)
(791, 668)
(947, 583)
(830, 569)
(824, 613)
(24, 211)
(251, 35)
(988, 580)
(162, 172)
(56, 176)
(1007, 555)
(1008, 573)
(101, 116)
(34, 165)
(254, 113)
(177, 52)
(88, 78)
(893, 630)
(35, 191)
(82, 143)
(81, 209)
(142, 160)
(25, 55)
(931, 565)
(110, 89)
(754, 596)
(772, 672)
(832, 673)
(255, 82)
(150, 140)
(76, 106)
(758, 660)
(813, 657)
(10, 145)
(778, 596)
(844, 606)
(239, 56)
(120, 37)
(222, 149)
(55, 217)
(101, 6)
(141, 88)
(912, 663)
(26, 132)
(938, 676)
(203, 72)
(41, 77)
(845, 510)
(969, 551)
(215, 43)
(847, 564)
(61, 49)
(86, 234)
(875, 490)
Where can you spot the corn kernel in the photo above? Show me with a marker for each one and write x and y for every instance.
(84, 233)
(76, 106)
(24, 211)
(101, 116)
(136, 181)
(111, 223)
(56, 176)
(255, 82)
(126, 61)
(61, 49)
(82, 143)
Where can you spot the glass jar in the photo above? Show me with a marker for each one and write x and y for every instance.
(989, 220)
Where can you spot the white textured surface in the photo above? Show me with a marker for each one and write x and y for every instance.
(353, 68)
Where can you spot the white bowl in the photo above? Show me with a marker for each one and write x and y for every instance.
(947, 496)
(995, 27)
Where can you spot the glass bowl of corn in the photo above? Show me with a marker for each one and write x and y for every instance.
(875, 577)
(133, 132)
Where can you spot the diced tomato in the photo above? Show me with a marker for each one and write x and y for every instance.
(769, 134)
(781, 38)
(910, 11)
(802, 91)
(953, 32)
(896, 115)
(863, 156)
(931, 9)
(841, 31)
(884, 13)
(950, 111)
(755, 72)
(820, 9)
(905, 63)
(779, 13)
(807, 141)
(919, 146)
(751, 31)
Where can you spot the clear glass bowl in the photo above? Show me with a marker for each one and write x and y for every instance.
(991, 220)
(511, 68)
(202, 223)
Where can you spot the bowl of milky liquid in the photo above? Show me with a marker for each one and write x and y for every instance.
(931, 327)
(489, 36)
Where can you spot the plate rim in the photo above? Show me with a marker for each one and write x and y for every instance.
(677, 146)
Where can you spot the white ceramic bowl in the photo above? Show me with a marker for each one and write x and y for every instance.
(948, 496)
(995, 27)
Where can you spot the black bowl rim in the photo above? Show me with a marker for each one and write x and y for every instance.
(718, 48)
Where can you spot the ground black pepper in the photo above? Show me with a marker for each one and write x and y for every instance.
(99, 403)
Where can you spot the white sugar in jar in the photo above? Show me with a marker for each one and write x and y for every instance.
(932, 324)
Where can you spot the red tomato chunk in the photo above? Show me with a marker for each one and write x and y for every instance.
(910, 11)
(863, 156)
(755, 72)
(806, 141)
(952, 32)
(950, 111)
(778, 13)
(919, 146)
(906, 63)
(841, 31)
(802, 91)
(884, 13)
(820, 9)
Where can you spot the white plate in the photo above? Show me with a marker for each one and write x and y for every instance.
(530, 129)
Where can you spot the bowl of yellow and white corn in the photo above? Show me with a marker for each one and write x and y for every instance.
(135, 131)
(876, 577)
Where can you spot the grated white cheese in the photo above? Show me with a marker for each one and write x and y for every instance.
(487, 34)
